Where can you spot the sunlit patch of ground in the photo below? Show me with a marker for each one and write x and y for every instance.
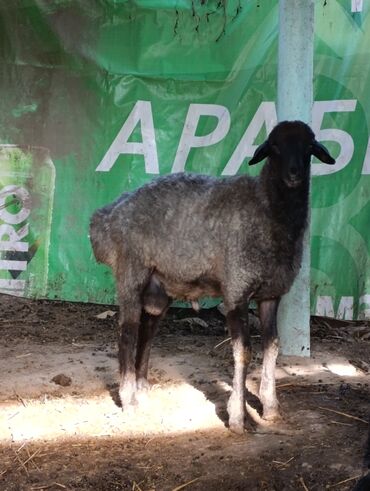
(76, 437)
(169, 410)
(189, 393)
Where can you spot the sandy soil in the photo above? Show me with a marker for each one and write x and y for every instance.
(75, 436)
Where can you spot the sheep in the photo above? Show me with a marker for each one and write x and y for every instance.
(185, 236)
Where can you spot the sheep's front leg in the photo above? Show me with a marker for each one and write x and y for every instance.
(239, 332)
(267, 314)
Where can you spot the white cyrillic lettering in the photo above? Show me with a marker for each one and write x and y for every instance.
(141, 113)
(343, 138)
(345, 309)
(363, 307)
(366, 166)
(324, 306)
(188, 139)
(265, 115)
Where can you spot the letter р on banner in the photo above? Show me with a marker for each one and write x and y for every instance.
(27, 177)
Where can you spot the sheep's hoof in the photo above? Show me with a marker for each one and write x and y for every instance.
(142, 384)
(237, 427)
(235, 408)
(272, 415)
(127, 393)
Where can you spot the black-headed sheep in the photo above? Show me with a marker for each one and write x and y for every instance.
(186, 236)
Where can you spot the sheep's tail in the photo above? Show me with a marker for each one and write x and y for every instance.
(104, 248)
(100, 237)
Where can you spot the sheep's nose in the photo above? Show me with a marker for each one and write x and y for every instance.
(293, 177)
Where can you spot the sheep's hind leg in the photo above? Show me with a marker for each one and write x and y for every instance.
(129, 285)
(155, 306)
(126, 349)
(148, 328)
(267, 314)
(239, 332)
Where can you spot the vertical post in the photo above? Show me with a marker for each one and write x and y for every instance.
(294, 101)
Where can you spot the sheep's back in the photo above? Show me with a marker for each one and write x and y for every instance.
(183, 222)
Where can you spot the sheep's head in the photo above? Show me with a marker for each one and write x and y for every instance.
(290, 146)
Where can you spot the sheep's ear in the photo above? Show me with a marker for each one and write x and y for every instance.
(261, 153)
(321, 153)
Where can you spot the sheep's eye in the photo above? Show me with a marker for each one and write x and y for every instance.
(275, 149)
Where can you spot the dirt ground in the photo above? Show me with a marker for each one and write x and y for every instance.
(61, 427)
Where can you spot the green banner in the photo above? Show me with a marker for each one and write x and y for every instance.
(99, 97)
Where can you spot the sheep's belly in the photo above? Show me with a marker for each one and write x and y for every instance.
(190, 291)
(277, 284)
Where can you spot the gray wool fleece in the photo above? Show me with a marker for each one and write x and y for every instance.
(202, 236)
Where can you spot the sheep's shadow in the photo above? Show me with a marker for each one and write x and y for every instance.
(113, 389)
(219, 397)
(213, 392)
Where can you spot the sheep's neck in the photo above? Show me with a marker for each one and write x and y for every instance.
(287, 206)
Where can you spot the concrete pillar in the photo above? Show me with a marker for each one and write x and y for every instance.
(294, 101)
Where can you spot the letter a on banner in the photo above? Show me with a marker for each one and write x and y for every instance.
(141, 113)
